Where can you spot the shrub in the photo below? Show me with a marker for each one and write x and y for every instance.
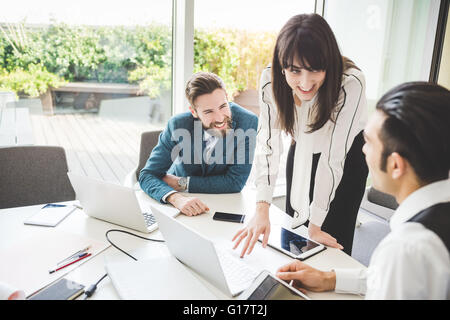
(141, 55)
(216, 52)
(152, 80)
(237, 56)
(32, 82)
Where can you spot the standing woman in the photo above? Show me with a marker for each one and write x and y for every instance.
(316, 96)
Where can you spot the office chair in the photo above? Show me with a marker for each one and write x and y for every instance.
(149, 140)
(381, 207)
(379, 203)
(33, 175)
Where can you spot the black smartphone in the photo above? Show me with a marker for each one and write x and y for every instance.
(230, 217)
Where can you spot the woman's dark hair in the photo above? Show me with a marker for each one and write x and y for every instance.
(417, 126)
(309, 38)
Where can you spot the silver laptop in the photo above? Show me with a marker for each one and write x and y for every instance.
(112, 203)
(222, 269)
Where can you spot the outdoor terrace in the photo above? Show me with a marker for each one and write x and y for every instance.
(98, 147)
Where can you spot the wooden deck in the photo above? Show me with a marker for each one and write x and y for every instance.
(97, 147)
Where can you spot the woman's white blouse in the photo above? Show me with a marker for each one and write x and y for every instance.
(333, 141)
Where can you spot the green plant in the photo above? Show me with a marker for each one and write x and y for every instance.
(141, 55)
(237, 56)
(73, 53)
(98, 54)
(32, 82)
(216, 52)
(255, 50)
(17, 46)
(16, 36)
(153, 80)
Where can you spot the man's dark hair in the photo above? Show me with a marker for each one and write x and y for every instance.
(417, 126)
(202, 83)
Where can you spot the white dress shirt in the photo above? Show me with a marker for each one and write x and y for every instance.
(411, 262)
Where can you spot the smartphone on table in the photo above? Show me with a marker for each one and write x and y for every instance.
(229, 217)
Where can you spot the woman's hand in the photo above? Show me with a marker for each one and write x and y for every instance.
(316, 234)
(259, 224)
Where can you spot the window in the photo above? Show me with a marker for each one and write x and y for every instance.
(444, 70)
(235, 39)
(390, 40)
(93, 74)
(91, 51)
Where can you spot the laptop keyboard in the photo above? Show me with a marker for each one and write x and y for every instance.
(237, 273)
(149, 218)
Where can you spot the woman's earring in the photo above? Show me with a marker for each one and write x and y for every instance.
(282, 72)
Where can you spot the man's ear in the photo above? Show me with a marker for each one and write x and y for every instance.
(194, 113)
(397, 165)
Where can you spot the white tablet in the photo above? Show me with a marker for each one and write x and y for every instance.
(268, 287)
(293, 244)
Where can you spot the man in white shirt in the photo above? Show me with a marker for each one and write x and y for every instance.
(407, 151)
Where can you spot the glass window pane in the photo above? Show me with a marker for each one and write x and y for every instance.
(444, 70)
(93, 74)
(390, 40)
(235, 39)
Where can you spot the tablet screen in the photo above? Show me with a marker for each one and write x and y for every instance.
(271, 289)
(289, 241)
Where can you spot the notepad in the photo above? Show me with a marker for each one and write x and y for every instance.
(50, 215)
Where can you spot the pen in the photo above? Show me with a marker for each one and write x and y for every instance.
(73, 257)
(66, 265)
(76, 253)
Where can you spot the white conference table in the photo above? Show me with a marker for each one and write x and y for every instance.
(12, 230)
